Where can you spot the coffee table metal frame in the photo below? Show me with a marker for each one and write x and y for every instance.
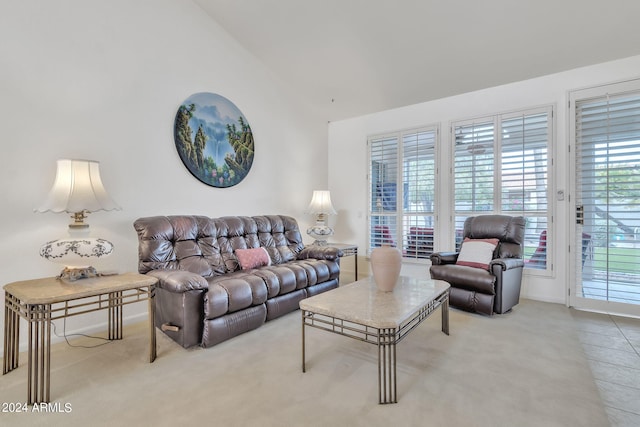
(41, 301)
(385, 339)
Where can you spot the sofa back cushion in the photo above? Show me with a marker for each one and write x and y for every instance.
(206, 246)
(509, 230)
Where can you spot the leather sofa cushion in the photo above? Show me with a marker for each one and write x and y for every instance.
(474, 279)
(206, 246)
(509, 230)
(246, 288)
(278, 279)
(231, 293)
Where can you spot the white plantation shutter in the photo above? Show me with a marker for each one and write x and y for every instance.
(402, 186)
(501, 166)
(383, 197)
(473, 171)
(608, 195)
(524, 142)
(419, 191)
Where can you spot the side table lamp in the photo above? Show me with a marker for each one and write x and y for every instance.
(78, 190)
(320, 206)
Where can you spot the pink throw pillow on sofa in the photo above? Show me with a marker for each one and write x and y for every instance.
(477, 253)
(252, 258)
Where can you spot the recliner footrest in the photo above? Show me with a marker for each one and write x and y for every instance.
(471, 301)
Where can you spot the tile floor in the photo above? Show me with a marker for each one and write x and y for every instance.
(612, 346)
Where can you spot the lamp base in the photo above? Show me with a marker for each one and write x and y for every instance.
(320, 232)
(72, 274)
(76, 253)
(75, 250)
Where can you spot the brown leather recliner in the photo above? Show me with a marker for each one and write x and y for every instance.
(496, 290)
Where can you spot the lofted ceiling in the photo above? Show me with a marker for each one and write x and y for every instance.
(353, 57)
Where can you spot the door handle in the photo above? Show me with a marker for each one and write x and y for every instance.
(580, 214)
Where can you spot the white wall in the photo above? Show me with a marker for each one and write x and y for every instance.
(347, 141)
(102, 80)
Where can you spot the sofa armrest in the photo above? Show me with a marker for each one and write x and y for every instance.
(320, 252)
(440, 258)
(179, 281)
(506, 263)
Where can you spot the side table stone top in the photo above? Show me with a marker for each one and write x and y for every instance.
(361, 302)
(51, 290)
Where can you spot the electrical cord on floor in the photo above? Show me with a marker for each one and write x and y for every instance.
(65, 336)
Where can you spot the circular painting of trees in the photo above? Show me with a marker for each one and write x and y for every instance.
(213, 139)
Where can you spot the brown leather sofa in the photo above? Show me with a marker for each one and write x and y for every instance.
(204, 296)
(496, 290)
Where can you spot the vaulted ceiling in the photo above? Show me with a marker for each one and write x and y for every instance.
(353, 57)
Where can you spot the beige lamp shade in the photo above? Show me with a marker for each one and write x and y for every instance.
(78, 188)
(321, 203)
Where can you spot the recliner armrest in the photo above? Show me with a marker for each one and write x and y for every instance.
(440, 258)
(179, 281)
(507, 263)
(320, 252)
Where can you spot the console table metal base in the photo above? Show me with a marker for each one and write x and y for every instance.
(384, 338)
(39, 318)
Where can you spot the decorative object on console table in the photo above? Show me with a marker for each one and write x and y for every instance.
(78, 190)
(386, 262)
(320, 206)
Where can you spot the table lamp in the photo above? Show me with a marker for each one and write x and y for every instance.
(78, 190)
(320, 206)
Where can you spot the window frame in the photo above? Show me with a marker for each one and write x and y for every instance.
(602, 238)
(399, 225)
(497, 122)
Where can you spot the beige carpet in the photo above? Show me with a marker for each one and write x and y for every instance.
(526, 368)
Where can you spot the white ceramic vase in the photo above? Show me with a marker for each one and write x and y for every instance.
(386, 262)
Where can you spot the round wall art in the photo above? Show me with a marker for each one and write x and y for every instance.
(213, 139)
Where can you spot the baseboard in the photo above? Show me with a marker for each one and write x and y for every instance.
(544, 299)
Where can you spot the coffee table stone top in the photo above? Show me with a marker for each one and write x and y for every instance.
(361, 302)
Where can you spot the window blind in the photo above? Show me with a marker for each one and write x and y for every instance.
(608, 195)
(524, 141)
(501, 166)
(383, 175)
(473, 171)
(418, 176)
(402, 191)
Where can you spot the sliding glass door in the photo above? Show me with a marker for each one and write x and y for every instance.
(605, 248)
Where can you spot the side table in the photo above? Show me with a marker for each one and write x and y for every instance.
(348, 249)
(41, 301)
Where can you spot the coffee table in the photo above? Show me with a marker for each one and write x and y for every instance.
(360, 311)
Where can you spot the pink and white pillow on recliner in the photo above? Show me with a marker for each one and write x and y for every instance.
(477, 253)
(252, 258)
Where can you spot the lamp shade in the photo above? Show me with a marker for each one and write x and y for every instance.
(321, 203)
(78, 188)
